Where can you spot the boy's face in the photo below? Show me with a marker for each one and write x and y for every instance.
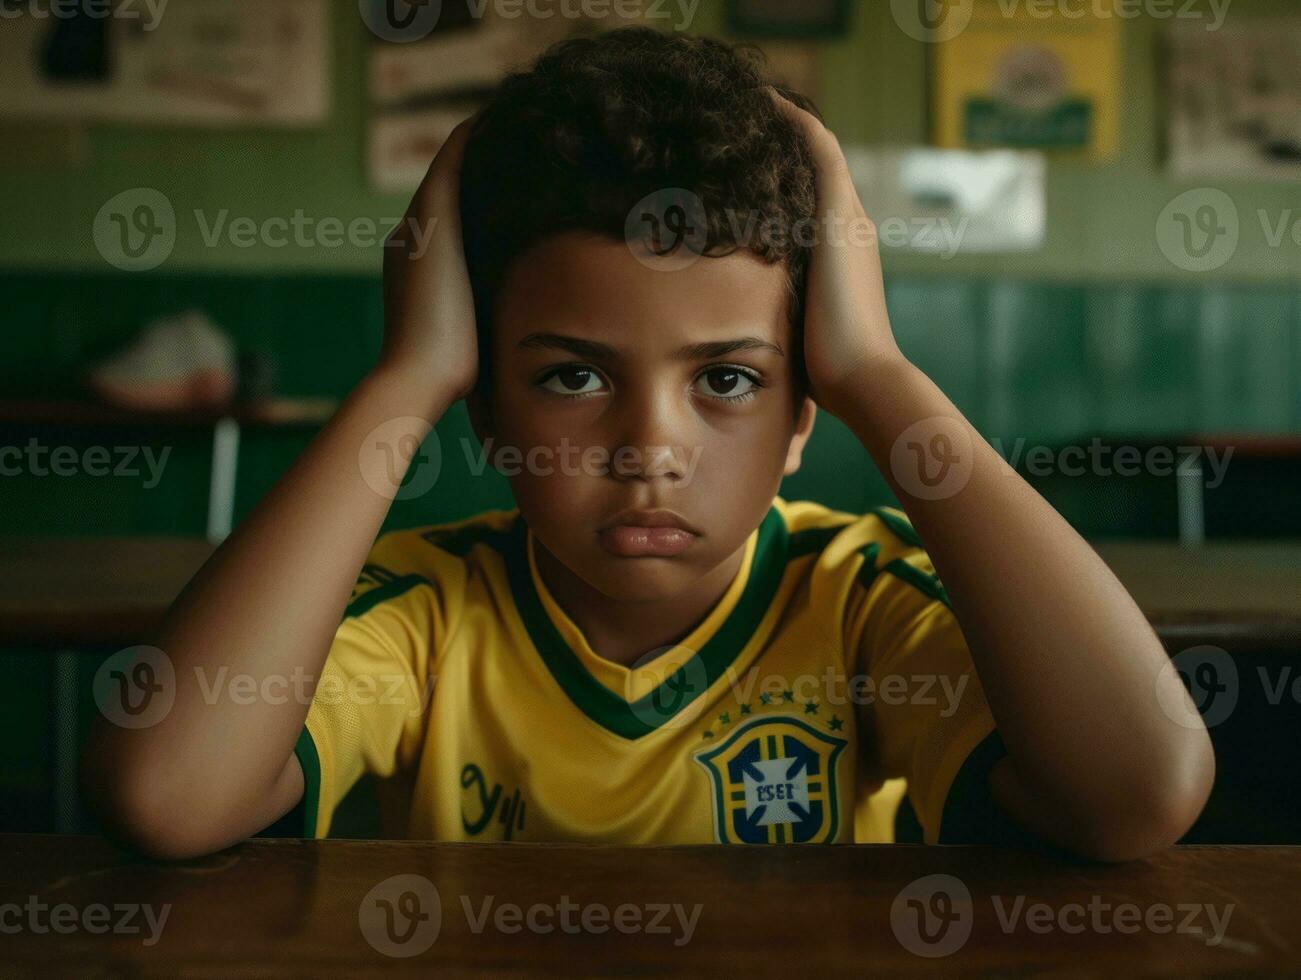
(591, 382)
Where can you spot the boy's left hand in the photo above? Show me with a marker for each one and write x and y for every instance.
(846, 326)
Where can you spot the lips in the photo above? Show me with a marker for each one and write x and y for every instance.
(647, 533)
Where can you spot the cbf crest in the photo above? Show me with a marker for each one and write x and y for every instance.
(774, 782)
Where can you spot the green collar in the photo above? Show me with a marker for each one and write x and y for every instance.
(633, 719)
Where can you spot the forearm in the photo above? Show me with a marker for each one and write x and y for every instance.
(264, 608)
(1071, 668)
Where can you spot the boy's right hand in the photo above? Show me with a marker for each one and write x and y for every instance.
(429, 331)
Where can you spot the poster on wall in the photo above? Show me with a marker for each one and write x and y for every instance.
(1029, 79)
(946, 202)
(201, 62)
(426, 77)
(1234, 100)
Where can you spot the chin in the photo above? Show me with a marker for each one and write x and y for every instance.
(640, 579)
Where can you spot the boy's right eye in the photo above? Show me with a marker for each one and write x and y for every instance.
(571, 380)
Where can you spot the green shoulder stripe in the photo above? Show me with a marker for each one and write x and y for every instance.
(367, 601)
(812, 540)
(310, 761)
(900, 526)
(459, 540)
(914, 576)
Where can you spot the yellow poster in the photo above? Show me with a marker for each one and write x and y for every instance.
(1028, 75)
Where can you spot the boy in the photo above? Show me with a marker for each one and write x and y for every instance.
(654, 647)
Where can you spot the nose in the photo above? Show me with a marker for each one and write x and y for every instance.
(652, 426)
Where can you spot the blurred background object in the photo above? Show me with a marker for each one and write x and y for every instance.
(179, 363)
(1091, 239)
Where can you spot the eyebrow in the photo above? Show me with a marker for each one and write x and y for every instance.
(690, 352)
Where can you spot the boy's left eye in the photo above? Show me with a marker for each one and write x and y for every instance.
(730, 383)
(571, 380)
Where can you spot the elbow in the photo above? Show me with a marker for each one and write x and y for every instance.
(1156, 815)
(139, 813)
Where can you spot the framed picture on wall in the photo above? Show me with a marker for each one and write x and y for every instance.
(1234, 101)
(1025, 82)
(204, 63)
(789, 18)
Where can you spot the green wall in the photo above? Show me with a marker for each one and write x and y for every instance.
(874, 84)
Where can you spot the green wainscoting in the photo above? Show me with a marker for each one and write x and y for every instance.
(1029, 363)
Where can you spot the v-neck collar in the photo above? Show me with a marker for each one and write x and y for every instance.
(635, 702)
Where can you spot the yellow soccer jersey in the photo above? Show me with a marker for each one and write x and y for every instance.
(831, 674)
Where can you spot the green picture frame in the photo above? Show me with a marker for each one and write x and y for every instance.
(789, 19)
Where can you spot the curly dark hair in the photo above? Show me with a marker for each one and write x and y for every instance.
(599, 123)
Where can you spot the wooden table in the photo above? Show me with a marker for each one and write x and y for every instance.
(317, 908)
(63, 592)
(1234, 594)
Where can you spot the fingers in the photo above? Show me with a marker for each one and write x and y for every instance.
(817, 134)
(439, 187)
(835, 183)
(452, 152)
